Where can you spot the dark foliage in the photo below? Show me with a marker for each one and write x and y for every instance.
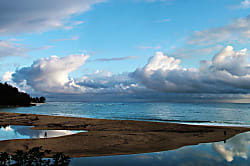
(4, 159)
(33, 157)
(10, 96)
(61, 159)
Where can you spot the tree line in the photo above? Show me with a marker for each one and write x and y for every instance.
(10, 96)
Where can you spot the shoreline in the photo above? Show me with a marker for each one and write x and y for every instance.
(17, 106)
(112, 137)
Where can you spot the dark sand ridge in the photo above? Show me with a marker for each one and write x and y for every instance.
(112, 137)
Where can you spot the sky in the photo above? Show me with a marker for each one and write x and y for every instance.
(127, 50)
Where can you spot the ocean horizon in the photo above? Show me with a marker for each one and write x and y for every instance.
(226, 114)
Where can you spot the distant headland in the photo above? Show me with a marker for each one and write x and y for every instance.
(10, 96)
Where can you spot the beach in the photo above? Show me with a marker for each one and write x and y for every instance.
(111, 137)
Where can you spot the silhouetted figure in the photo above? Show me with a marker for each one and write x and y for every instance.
(45, 135)
(225, 140)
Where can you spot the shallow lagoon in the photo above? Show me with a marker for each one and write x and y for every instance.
(25, 132)
(234, 152)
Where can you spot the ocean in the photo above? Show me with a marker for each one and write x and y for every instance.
(191, 113)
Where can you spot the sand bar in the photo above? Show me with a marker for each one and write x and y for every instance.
(112, 137)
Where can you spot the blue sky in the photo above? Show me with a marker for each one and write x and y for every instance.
(119, 36)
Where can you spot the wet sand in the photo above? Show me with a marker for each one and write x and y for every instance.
(111, 137)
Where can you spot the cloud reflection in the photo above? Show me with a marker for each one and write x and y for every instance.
(22, 132)
(237, 146)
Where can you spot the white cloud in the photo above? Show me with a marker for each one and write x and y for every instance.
(238, 31)
(187, 52)
(7, 77)
(234, 62)
(10, 48)
(106, 82)
(160, 61)
(224, 77)
(52, 74)
(66, 39)
(149, 47)
(228, 72)
(29, 16)
(245, 4)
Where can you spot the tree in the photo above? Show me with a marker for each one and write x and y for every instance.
(42, 99)
(10, 96)
(4, 158)
(33, 157)
(61, 159)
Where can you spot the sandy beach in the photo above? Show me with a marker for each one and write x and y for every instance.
(111, 137)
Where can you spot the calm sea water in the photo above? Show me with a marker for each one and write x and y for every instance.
(201, 113)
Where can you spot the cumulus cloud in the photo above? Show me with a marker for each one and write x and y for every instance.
(28, 16)
(163, 77)
(228, 72)
(51, 74)
(106, 82)
(237, 31)
(235, 147)
(7, 77)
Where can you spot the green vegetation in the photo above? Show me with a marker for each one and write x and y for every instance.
(33, 157)
(10, 96)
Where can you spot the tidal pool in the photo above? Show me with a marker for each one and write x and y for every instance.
(25, 132)
(233, 152)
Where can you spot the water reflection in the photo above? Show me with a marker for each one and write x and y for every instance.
(237, 146)
(25, 132)
(234, 152)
